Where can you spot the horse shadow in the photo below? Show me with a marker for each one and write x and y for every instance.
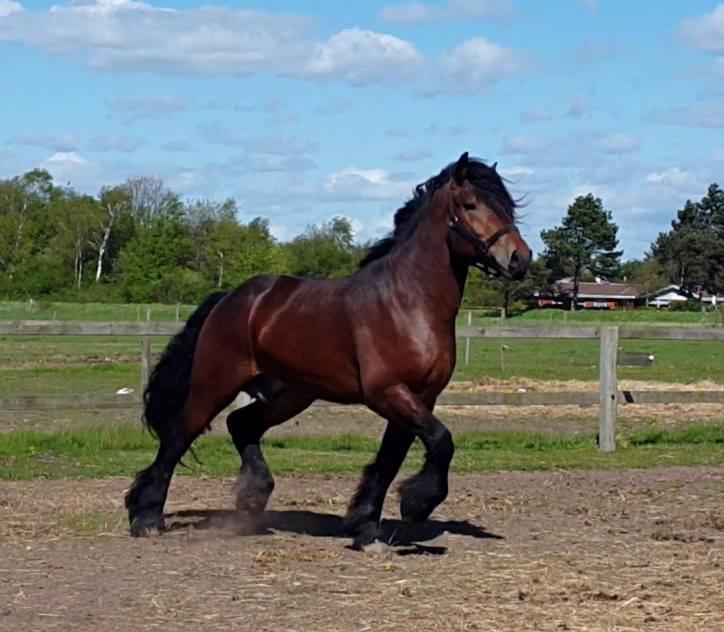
(409, 538)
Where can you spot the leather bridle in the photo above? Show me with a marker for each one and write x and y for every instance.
(482, 246)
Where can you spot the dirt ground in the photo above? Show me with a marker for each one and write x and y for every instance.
(626, 550)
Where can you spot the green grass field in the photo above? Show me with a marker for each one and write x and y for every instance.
(122, 450)
(15, 310)
(36, 365)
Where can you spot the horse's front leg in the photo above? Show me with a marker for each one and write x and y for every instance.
(409, 416)
(363, 516)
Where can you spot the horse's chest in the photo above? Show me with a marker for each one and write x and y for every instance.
(434, 363)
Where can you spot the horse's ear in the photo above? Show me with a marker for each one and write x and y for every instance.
(461, 169)
(495, 165)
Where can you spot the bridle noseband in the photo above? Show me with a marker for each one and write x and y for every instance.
(481, 245)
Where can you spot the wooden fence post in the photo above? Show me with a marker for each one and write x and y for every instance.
(608, 389)
(467, 340)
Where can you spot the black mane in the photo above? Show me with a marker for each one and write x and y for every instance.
(487, 182)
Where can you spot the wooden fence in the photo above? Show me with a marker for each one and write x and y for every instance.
(608, 396)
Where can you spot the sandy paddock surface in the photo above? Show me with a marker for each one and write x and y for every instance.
(622, 550)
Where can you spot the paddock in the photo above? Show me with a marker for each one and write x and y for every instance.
(556, 550)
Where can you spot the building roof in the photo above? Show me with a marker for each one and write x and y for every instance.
(588, 289)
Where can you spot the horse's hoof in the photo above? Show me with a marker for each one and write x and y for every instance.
(367, 536)
(253, 493)
(418, 499)
(415, 509)
(376, 548)
(143, 527)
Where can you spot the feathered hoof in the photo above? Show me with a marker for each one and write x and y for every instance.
(147, 526)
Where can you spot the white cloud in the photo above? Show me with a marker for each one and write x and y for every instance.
(408, 13)
(706, 32)
(515, 171)
(177, 145)
(579, 106)
(616, 143)
(480, 9)
(705, 114)
(537, 115)
(66, 157)
(56, 141)
(105, 143)
(420, 12)
(353, 183)
(128, 36)
(151, 107)
(398, 133)
(475, 65)
(278, 163)
(333, 107)
(525, 145)
(414, 154)
(362, 57)
(8, 7)
(69, 167)
(673, 176)
(124, 35)
(217, 134)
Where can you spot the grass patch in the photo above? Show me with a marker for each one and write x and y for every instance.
(63, 365)
(124, 449)
(550, 359)
(49, 310)
(87, 524)
(595, 317)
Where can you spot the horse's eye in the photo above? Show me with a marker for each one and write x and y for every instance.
(469, 207)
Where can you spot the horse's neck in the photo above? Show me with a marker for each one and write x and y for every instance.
(427, 262)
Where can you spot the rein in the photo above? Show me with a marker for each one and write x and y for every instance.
(480, 244)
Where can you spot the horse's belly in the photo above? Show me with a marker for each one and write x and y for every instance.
(319, 364)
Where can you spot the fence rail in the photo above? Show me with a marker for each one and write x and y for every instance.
(491, 398)
(608, 397)
(641, 332)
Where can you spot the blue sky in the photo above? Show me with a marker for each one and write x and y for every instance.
(303, 111)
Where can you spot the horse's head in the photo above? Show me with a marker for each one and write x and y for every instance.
(481, 214)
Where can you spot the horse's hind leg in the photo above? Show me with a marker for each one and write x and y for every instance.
(147, 496)
(247, 426)
(215, 382)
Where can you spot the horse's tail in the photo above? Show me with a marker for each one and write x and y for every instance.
(168, 386)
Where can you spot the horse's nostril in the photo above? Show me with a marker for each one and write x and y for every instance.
(516, 266)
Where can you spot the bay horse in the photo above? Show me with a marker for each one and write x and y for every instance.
(383, 337)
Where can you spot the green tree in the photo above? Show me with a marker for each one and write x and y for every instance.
(152, 265)
(236, 252)
(114, 206)
(507, 294)
(692, 252)
(646, 275)
(585, 242)
(78, 217)
(327, 250)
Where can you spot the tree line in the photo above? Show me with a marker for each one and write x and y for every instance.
(139, 241)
